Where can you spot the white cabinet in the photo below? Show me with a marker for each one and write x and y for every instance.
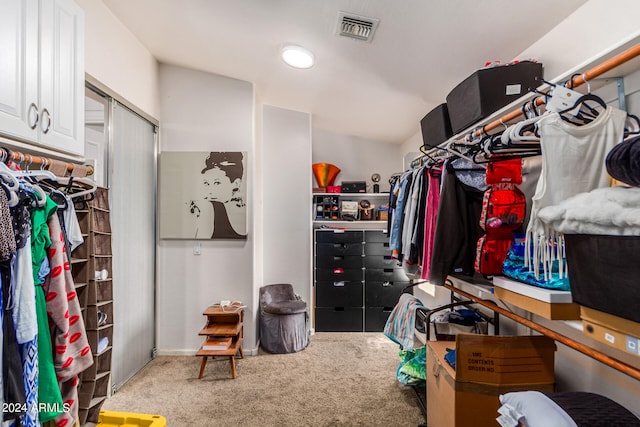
(42, 73)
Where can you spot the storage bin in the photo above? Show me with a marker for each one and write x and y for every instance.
(383, 293)
(339, 249)
(488, 90)
(436, 126)
(334, 261)
(339, 319)
(603, 273)
(376, 318)
(339, 293)
(129, 419)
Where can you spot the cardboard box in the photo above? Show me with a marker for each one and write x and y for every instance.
(611, 330)
(487, 366)
(548, 303)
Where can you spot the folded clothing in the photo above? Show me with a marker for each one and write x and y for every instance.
(611, 210)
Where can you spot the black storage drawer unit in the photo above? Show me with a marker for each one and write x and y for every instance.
(436, 126)
(338, 274)
(604, 272)
(338, 249)
(377, 249)
(383, 294)
(336, 261)
(376, 318)
(331, 236)
(385, 275)
(339, 294)
(377, 236)
(339, 319)
(490, 89)
(380, 261)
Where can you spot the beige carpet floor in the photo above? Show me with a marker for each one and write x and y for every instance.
(341, 379)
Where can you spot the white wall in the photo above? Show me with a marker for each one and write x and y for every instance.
(118, 60)
(204, 112)
(357, 158)
(287, 199)
(592, 29)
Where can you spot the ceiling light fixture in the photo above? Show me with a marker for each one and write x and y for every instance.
(297, 56)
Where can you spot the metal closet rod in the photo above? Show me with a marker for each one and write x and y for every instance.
(576, 81)
(17, 156)
(584, 349)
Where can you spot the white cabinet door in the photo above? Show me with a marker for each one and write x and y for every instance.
(62, 76)
(19, 69)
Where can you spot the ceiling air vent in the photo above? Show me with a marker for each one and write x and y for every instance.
(356, 27)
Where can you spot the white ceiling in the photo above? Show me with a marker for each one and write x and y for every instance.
(378, 90)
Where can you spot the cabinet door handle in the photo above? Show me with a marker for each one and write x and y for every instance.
(33, 108)
(45, 111)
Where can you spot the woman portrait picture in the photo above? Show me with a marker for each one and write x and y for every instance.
(220, 207)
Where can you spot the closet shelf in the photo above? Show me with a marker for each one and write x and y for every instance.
(101, 375)
(102, 256)
(103, 233)
(100, 209)
(78, 260)
(96, 401)
(102, 303)
(106, 350)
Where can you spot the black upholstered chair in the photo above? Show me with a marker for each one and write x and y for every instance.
(284, 321)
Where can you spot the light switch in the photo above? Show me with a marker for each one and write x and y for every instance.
(196, 249)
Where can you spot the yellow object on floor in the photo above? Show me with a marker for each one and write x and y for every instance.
(129, 419)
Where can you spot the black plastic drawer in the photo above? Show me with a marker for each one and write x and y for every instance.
(383, 294)
(380, 261)
(339, 248)
(375, 318)
(339, 319)
(339, 294)
(377, 249)
(344, 261)
(386, 275)
(332, 236)
(338, 274)
(376, 236)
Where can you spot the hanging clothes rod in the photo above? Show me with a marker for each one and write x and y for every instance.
(584, 349)
(43, 162)
(576, 81)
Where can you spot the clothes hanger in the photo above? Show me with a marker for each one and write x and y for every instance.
(631, 125)
(89, 186)
(585, 113)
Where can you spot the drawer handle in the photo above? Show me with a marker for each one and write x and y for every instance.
(387, 309)
(338, 245)
(387, 257)
(33, 108)
(338, 270)
(48, 125)
(338, 258)
(338, 284)
(388, 270)
(386, 245)
(386, 284)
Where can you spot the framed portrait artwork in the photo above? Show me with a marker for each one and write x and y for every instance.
(202, 195)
